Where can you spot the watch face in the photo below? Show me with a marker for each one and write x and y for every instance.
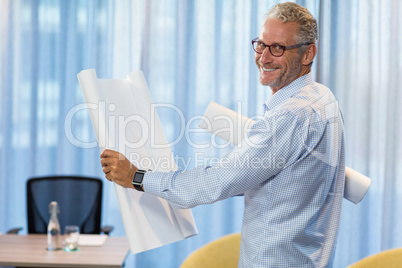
(138, 177)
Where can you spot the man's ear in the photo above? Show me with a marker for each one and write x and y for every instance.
(309, 55)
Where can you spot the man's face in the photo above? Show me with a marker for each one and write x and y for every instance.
(278, 72)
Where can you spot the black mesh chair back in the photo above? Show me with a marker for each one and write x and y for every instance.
(79, 200)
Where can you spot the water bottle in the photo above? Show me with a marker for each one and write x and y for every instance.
(53, 229)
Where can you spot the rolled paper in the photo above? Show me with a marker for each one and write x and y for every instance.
(225, 123)
(356, 185)
(232, 127)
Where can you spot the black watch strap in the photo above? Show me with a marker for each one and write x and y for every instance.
(137, 179)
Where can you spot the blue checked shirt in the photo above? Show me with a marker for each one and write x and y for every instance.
(291, 171)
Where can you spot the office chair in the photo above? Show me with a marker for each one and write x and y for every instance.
(391, 258)
(79, 199)
(221, 253)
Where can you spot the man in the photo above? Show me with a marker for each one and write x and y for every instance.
(292, 172)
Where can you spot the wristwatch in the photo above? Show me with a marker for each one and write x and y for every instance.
(137, 179)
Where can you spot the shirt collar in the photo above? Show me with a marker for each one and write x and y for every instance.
(287, 91)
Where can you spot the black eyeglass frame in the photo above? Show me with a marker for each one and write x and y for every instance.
(255, 40)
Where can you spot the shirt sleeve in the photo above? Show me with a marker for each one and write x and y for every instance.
(271, 145)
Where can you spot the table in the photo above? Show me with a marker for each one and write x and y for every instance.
(30, 251)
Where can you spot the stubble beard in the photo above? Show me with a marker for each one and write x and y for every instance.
(284, 77)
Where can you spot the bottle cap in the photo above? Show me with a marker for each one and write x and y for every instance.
(54, 207)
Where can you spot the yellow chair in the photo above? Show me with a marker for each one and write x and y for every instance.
(221, 253)
(391, 258)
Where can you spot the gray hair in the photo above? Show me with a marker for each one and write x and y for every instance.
(292, 12)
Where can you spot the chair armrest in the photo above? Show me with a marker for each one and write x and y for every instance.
(107, 229)
(14, 230)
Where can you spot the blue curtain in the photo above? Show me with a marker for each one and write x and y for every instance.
(361, 62)
(191, 53)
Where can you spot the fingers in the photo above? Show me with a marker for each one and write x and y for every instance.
(109, 174)
(109, 153)
(108, 161)
(108, 177)
(112, 171)
(117, 168)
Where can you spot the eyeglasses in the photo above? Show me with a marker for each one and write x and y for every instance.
(275, 49)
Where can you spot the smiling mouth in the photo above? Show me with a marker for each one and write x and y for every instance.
(268, 69)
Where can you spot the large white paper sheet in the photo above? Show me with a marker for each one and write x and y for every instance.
(124, 120)
(231, 126)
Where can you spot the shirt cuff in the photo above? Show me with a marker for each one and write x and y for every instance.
(153, 182)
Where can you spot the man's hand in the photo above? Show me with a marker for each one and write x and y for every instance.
(117, 168)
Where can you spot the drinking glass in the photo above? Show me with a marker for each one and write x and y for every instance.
(71, 234)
